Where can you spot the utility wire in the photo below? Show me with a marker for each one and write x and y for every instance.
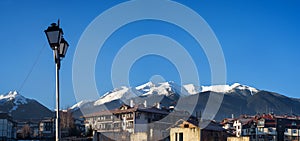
(32, 67)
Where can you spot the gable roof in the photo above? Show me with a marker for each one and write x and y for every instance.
(210, 125)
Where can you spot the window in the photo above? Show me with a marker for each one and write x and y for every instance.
(294, 131)
(130, 124)
(180, 137)
(138, 115)
(186, 125)
(270, 129)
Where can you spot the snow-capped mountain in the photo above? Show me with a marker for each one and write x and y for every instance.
(14, 97)
(237, 99)
(167, 89)
(79, 104)
(229, 88)
(192, 89)
(150, 88)
(120, 93)
(21, 107)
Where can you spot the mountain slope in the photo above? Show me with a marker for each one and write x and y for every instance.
(124, 93)
(22, 108)
(264, 102)
(237, 99)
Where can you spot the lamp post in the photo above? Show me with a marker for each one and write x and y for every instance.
(59, 46)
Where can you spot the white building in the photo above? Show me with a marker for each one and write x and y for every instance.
(134, 122)
(7, 127)
(47, 128)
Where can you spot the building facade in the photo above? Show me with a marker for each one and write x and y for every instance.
(190, 131)
(7, 127)
(47, 128)
(132, 123)
(267, 127)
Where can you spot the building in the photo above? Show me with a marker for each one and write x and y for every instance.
(238, 139)
(27, 129)
(244, 126)
(228, 126)
(7, 127)
(268, 127)
(47, 128)
(79, 125)
(134, 122)
(191, 131)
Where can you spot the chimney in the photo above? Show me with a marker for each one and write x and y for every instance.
(171, 108)
(145, 103)
(131, 104)
(158, 105)
(232, 116)
(199, 116)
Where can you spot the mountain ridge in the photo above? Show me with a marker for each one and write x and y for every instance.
(166, 88)
(22, 108)
(237, 98)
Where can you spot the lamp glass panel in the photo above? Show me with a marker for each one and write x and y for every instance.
(61, 49)
(53, 37)
(65, 50)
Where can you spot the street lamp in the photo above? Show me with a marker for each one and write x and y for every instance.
(59, 46)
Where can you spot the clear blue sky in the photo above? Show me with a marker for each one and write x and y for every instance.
(260, 41)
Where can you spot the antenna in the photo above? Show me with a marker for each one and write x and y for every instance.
(58, 22)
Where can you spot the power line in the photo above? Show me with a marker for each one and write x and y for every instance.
(32, 67)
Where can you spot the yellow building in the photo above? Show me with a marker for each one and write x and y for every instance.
(238, 139)
(190, 131)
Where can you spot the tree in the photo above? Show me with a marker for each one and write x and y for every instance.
(25, 131)
(66, 120)
(89, 131)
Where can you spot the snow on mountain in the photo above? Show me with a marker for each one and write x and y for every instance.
(228, 88)
(145, 88)
(244, 87)
(122, 93)
(216, 88)
(79, 104)
(192, 89)
(15, 97)
(22, 108)
(165, 88)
